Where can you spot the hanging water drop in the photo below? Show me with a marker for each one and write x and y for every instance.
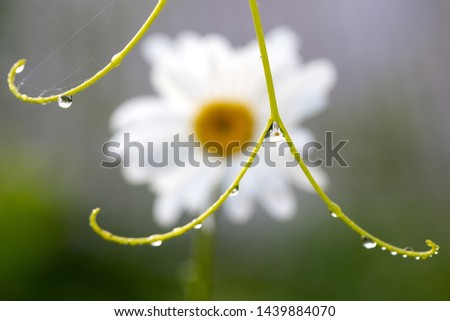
(20, 69)
(274, 134)
(368, 243)
(408, 249)
(198, 226)
(235, 191)
(394, 253)
(383, 248)
(65, 101)
(417, 258)
(333, 214)
(156, 243)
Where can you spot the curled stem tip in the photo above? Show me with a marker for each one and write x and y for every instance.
(334, 208)
(114, 63)
(157, 239)
(370, 241)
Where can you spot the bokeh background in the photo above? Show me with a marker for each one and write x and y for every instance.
(391, 103)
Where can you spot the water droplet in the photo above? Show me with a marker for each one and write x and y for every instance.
(383, 248)
(235, 191)
(417, 258)
(116, 60)
(436, 252)
(198, 226)
(333, 214)
(409, 249)
(156, 243)
(274, 134)
(20, 69)
(65, 101)
(368, 243)
(176, 229)
(394, 253)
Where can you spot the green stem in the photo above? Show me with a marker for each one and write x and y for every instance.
(156, 239)
(332, 207)
(199, 282)
(116, 60)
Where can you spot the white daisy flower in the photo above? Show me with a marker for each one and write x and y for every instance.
(207, 88)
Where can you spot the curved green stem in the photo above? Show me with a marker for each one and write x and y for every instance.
(116, 60)
(333, 207)
(156, 239)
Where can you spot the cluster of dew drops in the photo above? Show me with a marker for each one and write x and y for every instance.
(274, 134)
(369, 244)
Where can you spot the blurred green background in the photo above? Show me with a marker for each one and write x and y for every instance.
(391, 102)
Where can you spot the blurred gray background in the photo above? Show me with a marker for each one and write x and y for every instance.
(391, 102)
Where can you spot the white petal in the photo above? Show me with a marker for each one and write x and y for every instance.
(167, 209)
(155, 46)
(300, 137)
(276, 196)
(195, 185)
(135, 164)
(290, 169)
(239, 209)
(173, 181)
(136, 175)
(134, 110)
(200, 192)
(283, 47)
(296, 176)
(147, 122)
(184, 72)
(145, 111)
(304, 93)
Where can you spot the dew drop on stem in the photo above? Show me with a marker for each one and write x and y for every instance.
(65, 101)
(235, 191)
(274, 134)
(20, 69)
(156, 243)
(368, 243)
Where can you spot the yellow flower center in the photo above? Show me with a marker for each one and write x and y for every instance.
(223, 126)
